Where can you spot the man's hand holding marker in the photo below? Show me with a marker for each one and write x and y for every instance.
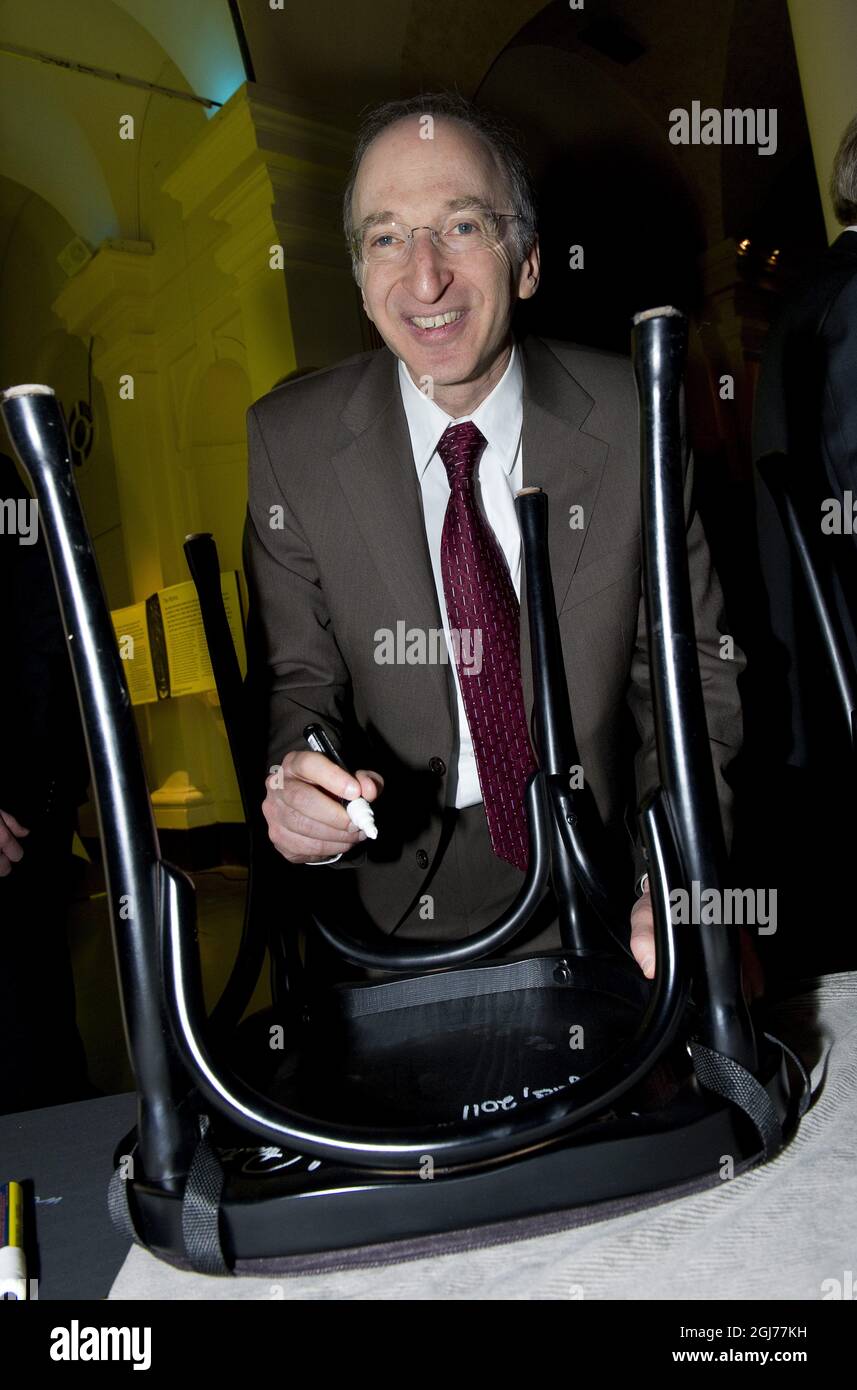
(317, 809)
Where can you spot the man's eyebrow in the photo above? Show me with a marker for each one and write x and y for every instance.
(472, 200)
(373, 220)
(469, 200)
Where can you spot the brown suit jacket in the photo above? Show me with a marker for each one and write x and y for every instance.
(337, 552)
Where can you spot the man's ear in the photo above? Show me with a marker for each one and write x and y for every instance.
(528, 273)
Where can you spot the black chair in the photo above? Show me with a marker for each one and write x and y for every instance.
(452, 1093)
(829, 572)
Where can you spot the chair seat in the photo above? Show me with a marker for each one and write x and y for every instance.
(450, 1046)
(456, 1045)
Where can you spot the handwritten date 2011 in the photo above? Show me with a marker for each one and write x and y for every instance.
(491, 1107)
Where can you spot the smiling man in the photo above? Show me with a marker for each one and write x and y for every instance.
(443, 304)
(382, 493)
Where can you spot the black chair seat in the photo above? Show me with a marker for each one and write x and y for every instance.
(464, 1044)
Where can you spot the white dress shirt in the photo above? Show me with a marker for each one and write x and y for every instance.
(500, 475)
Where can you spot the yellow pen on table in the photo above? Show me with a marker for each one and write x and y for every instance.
(13, 1265)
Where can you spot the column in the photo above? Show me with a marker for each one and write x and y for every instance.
(274, 179)
(110, 300)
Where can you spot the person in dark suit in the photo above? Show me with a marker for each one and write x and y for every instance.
(805, 419)
(43, 778)
(805, 425)
(381, 511)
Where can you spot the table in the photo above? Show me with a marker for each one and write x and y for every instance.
(63, 1156)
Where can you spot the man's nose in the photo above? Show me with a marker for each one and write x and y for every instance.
(427, 271)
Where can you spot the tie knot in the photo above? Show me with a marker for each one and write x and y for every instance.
(460, 447)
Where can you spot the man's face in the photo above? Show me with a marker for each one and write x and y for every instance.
(418, 180)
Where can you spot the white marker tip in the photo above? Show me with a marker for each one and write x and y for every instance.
(362, 816)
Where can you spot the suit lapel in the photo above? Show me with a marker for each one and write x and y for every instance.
(564, 460)
(379, 479)
(377, 474)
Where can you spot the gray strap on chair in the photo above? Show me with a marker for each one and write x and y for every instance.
(118, 1207)
(727, 1078)
(806, 1094)
(201, 1207)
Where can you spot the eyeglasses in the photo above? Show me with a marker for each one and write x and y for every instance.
(461, 233)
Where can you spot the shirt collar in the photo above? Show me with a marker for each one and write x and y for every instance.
(499, 416)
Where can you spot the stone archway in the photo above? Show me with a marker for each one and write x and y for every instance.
(606, 184)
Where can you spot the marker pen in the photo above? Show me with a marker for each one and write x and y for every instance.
(13, 1266)
(359, 811)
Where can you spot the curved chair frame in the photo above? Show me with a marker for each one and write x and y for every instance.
(157, 959)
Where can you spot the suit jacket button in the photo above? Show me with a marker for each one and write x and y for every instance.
(422, 859)
(437, 765)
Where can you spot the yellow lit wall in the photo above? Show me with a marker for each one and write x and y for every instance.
(825, 39)
(178, 296)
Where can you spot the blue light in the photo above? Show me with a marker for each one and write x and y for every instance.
(222, 81)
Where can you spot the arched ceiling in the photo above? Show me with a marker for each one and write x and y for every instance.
(660, 53)
(60, 127)
(199, 37)
(345, 56)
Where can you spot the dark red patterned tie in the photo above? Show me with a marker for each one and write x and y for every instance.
(484, 611)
